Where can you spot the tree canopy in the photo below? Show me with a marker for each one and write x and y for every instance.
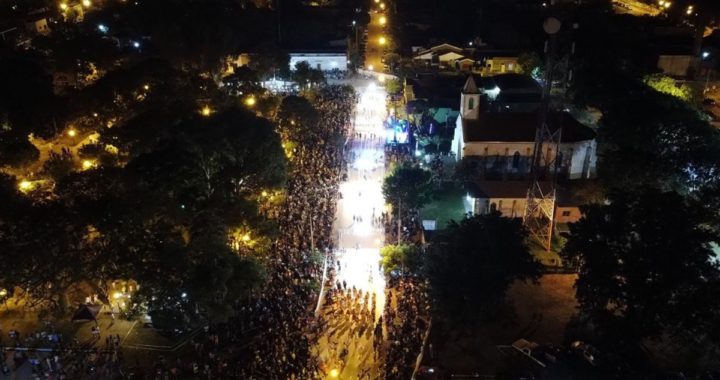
(646, 265)
(471, 264)
(408, 186)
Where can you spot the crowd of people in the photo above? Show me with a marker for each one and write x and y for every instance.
(405, 326)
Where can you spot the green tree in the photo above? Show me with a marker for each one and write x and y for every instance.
(667, 85)
(298, 118)
(470, 265)
(529, 63)
(403, 257)
(408, 186)
(393, 86)
(19, 154)
(645, 269)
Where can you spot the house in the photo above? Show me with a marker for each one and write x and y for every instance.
(445, 55)
(500, 65)
(325, 60)
(37, 24)
(511, 93)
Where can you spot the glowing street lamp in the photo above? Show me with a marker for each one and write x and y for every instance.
(87, 164)
(72, 133)
(334, 373)
(206, 111)
(382, 41)
(381, 78)
(63, 6)
(24, 185)
(250, 101)
(86, 3)
(383, 20)
(146, 87)
(370, 67)
(246, 238)
(382, 5)
(264, 194)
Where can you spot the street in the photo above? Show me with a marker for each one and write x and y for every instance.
(373, 53)
(359, 240)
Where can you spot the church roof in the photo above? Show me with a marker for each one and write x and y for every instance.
(520, 127)
(470, 86)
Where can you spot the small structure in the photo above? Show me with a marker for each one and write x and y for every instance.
(37, 24)
(86, 313)
(325, 60)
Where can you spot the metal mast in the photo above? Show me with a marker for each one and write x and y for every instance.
(540, 203)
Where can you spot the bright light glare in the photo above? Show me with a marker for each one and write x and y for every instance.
(136, 44)
(381, 78)
(206, 111)
(382, 40)
(63, 6)
(146, 87)
(25, 184)
(246, 237)
(334, 373)
(87, 164)
(71, 133)
(250, 101)
(383, 20)
(370, 67)
(86, 3)
(382, 5)
(364, 164)
(117, 295)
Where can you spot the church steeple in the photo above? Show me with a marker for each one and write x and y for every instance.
(470, 100)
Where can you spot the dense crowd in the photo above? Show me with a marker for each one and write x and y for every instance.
(405, 326)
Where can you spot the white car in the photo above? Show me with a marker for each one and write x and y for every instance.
(526, 348)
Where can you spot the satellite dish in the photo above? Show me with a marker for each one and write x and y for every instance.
(551, 25)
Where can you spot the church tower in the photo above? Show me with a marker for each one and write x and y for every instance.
(470, 100)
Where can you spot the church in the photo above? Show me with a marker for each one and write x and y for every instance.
(496, 130)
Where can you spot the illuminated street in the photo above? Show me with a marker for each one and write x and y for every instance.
(359, 240)
(373, 56)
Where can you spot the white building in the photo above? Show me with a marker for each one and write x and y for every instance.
(321, 60)
(503, 142)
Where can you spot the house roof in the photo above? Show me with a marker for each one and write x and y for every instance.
(502, 189)
(470, 86)
(516, 82)
(440, 48)
(520, 127)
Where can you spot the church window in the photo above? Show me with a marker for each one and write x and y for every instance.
(516, 160)
(471, 103)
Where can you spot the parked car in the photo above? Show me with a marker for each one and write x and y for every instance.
(588, 353)
(526, 348)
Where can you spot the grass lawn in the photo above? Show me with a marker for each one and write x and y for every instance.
(448, 205)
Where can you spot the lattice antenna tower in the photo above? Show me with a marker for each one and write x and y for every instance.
(541, 194)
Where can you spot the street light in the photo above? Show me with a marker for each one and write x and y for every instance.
(86, 3)
(63, 6)
(250, 101)
(71, 133)
(334, 373)
(382, 5)
(382, 41)
(25, 185)
(87, 164)
(146, 87)
(383, 20)
(206, 111)
(370, 67)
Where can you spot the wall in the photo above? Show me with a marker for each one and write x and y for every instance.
(483, 206)
(500, 65)
(677, 65)
(326, 61)
(575, 164)
(574, 216)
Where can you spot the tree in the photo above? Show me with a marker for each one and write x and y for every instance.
(408, 186)
(667, 85)
(59, 165)
(466, 170)
(267, 59)
(403, 257)
(529, 63)
(643, 268)
(392, 59)
(470, 265)
(19, 154)
(393, 86)
(298, 118)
